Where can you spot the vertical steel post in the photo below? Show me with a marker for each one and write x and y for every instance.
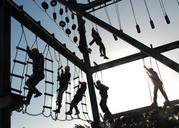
(5, 118)
(89, 74)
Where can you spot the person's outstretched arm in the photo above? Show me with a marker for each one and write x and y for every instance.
(91, 42)
(147, 71)
(145, 67)
(96, 86)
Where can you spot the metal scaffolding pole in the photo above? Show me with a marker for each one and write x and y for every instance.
(94, 106)
(5, 62)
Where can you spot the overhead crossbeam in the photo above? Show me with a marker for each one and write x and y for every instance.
(41, 32)
(134, 57)
(137, 44)
(97, 4)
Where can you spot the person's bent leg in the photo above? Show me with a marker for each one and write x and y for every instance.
(29, 83)
(103, 105)
(39, 77)
(71, 107)
(77, 110)
(59, 99)
(28, 98)
(155, 96)
(164, 95)
(103, 50)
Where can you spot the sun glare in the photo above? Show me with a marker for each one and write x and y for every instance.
(129, 87)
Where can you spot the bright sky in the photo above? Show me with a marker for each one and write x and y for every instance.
(128, 83)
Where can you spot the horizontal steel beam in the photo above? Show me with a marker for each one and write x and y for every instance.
(137, 44)
(25, 19)
(134, 57)
(97, 4)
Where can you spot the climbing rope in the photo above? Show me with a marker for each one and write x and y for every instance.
(137, 26)
(96, 76)
(85, 109)
(147, 81)
(76, 78)
(84, 101)
(25, 110)
(118, 16)
(94, 14)
(109, 20)
(49, 83)
(21, 76)
(150, 18)
(60, 65)
(35, 42)
(160, 76)
(31, 114)
(177, 2)
(164, 11)
(67, 102)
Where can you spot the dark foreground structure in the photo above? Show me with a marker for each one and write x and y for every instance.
(147, 117)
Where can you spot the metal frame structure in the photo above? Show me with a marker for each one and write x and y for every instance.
(137, 44)
(9, 8)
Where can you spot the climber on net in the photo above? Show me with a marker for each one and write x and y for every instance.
(77, 98)
(103, 92)
(63, 79)
(157, 85)
(37, 75)
(98, 40)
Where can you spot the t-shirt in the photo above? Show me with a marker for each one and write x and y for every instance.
(102, 90)
(64, 79)
(38, 62)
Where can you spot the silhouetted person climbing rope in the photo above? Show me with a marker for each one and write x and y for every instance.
(98, 40)
(37, 75)
(77, 98)
(63, 79)
(82, 46)
(103, 92)
(157, 85)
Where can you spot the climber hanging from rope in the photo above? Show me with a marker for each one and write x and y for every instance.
(63, 79)
(98, 40)
(77, 98)
(82, 46)
(103, 92)
(157, 85)
(37, 75)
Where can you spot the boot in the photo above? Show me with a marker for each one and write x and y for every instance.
(105, 57)
(37, 94)
(68, 113)
(154, 104)
(26, 102)
(77, 112)
(167, 103)
(57, 111)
